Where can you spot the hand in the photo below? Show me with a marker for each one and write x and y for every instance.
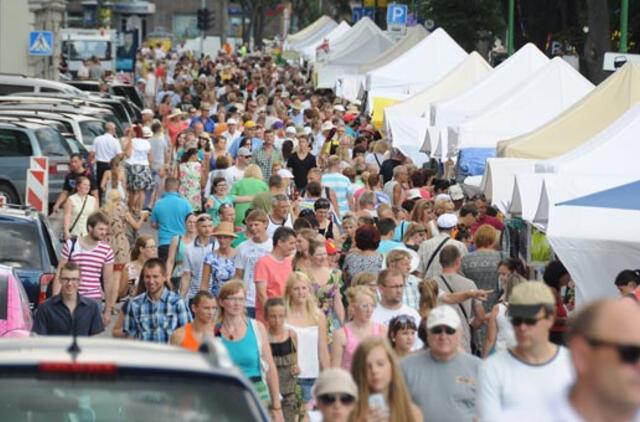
(481, 294)
(277, 416)
(106, 317)
(377, 415)
(55, 209)
(295, 371)
(144, 215)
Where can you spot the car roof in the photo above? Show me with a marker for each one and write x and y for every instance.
(36, 350)
(53, 115)
(22, 212)
(22, 124)
(19, 79)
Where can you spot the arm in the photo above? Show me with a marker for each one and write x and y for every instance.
(334, 201)
(459, 297)
(171, 258)
(185, 282)
(261, 291)
(492, 331)
(177, 336)
(338, 306)
(323, 344)
(397, 195)
(479, 315)
(206, 275)
(243, 198)
(273, 382)
(136, 224)
(62, 198)
(66, 224)
(106, 178)
(110, 292)
(337, 348)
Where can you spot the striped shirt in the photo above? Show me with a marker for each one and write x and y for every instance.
(341, 185)
(91, 263)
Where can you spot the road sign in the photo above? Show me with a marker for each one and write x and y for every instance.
(397, 14)
(613, 61)
(358, 13)
(37, 194)
(370, 12)
(41, 43)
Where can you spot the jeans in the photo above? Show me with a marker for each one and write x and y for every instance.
(306, 384)
(163, 253)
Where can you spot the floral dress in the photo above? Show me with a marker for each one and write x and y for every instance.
(325, 296)
(222, 270)
(190, 174)
(117, 237)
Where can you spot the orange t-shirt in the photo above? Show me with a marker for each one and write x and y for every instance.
(274, 273)
(189, 341)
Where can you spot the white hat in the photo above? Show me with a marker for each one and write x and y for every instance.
(291, 131)
(447, 221)
(339, 107)
(327, 126)
(443, 315)
(442, 197)
(285, 174)
(414, 194)
(333, 381)
(307, 130)
(232, 121)
(455, 192)
(147, 111)
(146, 132)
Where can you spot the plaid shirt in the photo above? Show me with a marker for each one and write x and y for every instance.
(264, 160)
(155, 321)
(411, 294)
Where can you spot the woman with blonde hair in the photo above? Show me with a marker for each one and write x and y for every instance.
(247, 343)
(144, 249)
(77, 209)
(115, 178)
(310, 326)
(423, 213)
(251, 184)
(376, 157)
(416, 234)
(362, 302)
(377, 374)
(302, 260)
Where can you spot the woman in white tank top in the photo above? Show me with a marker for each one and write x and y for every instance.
(500, 335)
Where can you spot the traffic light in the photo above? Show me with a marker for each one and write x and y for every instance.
(205, 19)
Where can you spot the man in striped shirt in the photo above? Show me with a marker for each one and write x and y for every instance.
(94, 256)
(340, 184)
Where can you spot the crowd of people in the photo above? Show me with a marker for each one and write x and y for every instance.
(342, 279)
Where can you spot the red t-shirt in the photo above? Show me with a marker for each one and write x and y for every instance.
(275, 273)
(495, 222)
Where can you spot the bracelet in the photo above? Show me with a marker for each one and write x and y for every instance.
(276, 408)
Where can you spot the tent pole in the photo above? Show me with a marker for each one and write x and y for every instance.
(624, 24)
(510, 37)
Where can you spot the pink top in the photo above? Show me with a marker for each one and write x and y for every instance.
(353, 342)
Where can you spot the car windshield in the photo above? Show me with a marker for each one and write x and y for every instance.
(23, 238)
(124, 397)
(79, 50)
(52, 143)
(90, 129)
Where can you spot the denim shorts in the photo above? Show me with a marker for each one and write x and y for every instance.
(305, 385)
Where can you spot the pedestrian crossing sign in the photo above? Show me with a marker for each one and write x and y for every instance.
(41, 43)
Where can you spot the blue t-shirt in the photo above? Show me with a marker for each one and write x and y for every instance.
(170, 214)
(387, 244)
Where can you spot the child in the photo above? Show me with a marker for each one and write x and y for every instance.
(283, 348)
(402, 334)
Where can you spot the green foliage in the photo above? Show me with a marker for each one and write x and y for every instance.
(467, 21)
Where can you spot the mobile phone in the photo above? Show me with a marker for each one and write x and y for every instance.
(377, 401)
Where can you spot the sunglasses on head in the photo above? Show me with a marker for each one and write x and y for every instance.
(442, 329)
(517, 321)
(628, 353)
(402, 321)
(329, 399)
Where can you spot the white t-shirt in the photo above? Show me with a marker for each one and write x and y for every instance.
(106, 147)
(272, 227)
(383, 315)
(247, 254)
(506, 382)
(140, 152)
(233, 174)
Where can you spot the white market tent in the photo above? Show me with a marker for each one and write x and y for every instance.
(308, 49)
(498, 179)
(322, 26)
(418, 68)
(507, 77)
(348, 86)
(407, 121)
(527, 189)
(551, 90)
(362, 43)
(595, 237)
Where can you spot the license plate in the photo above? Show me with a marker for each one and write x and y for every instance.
(62, 168)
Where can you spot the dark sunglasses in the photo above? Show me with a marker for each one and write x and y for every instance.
(628, 353)
(329, 399)
(517, 321)
(442, 329)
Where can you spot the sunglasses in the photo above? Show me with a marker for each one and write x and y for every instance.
(329, 399)
(628, 353)
(442, 329)
(403, 321)
(517, 321)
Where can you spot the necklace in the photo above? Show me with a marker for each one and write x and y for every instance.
(230, 333)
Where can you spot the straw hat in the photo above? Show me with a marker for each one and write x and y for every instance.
(224, 229)
(175, 113)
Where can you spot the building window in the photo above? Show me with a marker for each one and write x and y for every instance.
(185, 26)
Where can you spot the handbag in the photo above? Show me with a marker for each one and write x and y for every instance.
(475, 350)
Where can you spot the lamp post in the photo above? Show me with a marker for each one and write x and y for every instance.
(511, 23)
(624, 23)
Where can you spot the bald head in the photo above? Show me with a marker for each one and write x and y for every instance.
(607, 318)
(110, 127)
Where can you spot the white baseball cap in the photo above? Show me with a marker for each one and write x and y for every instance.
(443, 315)
(447, 221)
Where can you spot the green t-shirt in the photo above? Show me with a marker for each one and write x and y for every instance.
(247, 186)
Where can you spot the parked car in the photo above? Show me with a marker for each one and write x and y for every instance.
(54, 378)
(32, 252)
(19, 141)
(13, 82)
(15, 312)
(115, 88)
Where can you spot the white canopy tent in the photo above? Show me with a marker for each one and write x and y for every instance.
(526, 191)
(322, 26)
(498, 179)
(596, 236)
(418, 68)
(308, 49)
(507, 77)
(362, 43)
(551, 90)
(349, 86)
(406, 122)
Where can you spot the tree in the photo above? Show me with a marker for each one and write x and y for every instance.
(598, 39)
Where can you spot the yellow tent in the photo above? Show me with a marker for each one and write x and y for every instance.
(379, 104)
(596, 111)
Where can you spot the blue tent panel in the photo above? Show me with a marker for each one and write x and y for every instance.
(471, 161)
(625, 197)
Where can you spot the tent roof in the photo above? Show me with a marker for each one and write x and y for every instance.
(363, 42)
(504, 79)
(322, 24)
(625, 197)
(308, 48)
(586, 118)
(551, 90)
(420, 66)
(414, 35)
(615, 150)
(498, 179)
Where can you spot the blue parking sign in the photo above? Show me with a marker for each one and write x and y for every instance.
(397, 14)
(41, 43)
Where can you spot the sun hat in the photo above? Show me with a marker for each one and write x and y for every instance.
(528, 298)
(224, 229)
(335, 381)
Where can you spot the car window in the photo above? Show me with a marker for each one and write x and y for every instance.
(6, 89)
(14, 143)
(45, 89)
(24, 240)
(52, 143)
(90, 129)
(49, 240)
(124, 397)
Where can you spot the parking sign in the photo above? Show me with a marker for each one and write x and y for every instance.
(397, 14)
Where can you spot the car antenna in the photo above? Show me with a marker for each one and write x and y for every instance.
(74, 349)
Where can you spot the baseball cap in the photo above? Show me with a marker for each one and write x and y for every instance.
(249, 124)
(277, 124)
(291, 131)
(330, 247)
(443, 315)
(335, 381)
(147, 111)
(447, 221)
(244, 152)
(339, 107)
(285, 174)
(232, 121)
(414, 194)
(528, 298)
(455, 192)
